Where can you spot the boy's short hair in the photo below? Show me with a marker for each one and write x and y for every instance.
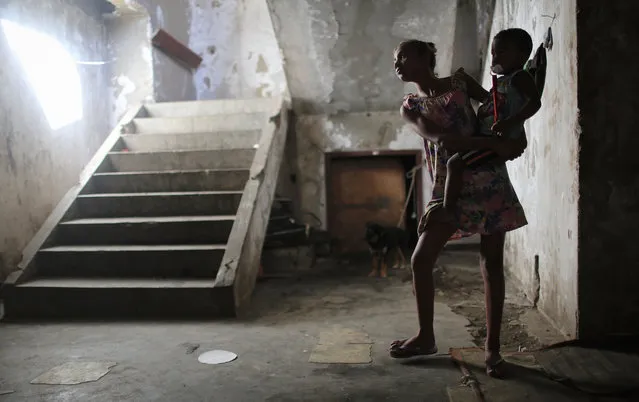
(518, 37)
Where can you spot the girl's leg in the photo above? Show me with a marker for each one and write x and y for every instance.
(454, 182)
(492, 269)
(423, 261)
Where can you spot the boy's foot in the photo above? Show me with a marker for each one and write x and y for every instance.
(495, 365)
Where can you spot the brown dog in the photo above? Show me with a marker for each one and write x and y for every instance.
(382, 240)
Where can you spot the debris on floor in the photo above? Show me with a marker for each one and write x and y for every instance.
(595, 371)
(6, 392)
(217, 357)
(342, 346)
(190, 347)
(525, 379)
(73, 373)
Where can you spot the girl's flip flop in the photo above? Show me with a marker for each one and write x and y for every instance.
(495, 369)
(399, 351)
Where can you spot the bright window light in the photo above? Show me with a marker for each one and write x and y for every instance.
(52, 72)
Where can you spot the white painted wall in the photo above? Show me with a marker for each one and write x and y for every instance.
(37, 164)
(546, 176)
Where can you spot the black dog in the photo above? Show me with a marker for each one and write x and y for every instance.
(382, 240)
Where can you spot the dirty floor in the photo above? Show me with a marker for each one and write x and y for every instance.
(159, 361)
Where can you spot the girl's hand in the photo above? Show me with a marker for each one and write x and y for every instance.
(409, 114)
(511, 149)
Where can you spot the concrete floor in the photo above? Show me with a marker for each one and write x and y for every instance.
(153, 364)
(156, 362)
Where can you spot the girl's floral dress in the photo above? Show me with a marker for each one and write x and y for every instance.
(488, 203)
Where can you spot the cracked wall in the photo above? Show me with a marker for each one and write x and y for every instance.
(546, 176)
(39, 164)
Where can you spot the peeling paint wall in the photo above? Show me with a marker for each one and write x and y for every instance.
(318, 134)
(546, 176)
(241, 55)
(609, 173)
(38, 165)
(339, 54)
(235, 38)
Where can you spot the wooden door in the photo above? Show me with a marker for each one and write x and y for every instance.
(362, 189)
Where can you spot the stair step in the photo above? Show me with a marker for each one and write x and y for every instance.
(169, 230)
(149, 283)
(240, 158)
(194, 124)
(117, 298)
(176, 180)
(156, 261)
(113, 205)
(207, 108)
(190, 141)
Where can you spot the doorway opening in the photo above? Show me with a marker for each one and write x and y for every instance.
(370, 186)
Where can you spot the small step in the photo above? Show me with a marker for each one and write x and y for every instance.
(117, 298)
(176, 180)
(159, 261)
(211, 107)
(190, 141)
(178, 160)
(116, 205)
(181, 230)
(195, 124)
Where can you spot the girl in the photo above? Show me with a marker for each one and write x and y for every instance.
(487, 205)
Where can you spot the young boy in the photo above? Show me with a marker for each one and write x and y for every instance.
(517, 99)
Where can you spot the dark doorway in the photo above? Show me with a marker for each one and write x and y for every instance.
(371, 186)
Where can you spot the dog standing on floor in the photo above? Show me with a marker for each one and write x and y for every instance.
(382, 241)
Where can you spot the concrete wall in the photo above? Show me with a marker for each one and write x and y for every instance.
(132, 66)
(608, 172)
(241, 58)
(318, 134)
(546, 176)
(339, 54)
(38, 165)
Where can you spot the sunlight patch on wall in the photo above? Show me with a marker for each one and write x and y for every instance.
(51, 71)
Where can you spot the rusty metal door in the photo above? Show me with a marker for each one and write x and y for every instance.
(362, 189)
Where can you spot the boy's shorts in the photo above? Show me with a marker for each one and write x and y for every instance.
(479, 157)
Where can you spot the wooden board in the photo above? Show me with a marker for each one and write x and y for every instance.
(163, 41)
(363, 189)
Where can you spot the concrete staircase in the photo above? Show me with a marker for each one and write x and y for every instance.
(168, 219)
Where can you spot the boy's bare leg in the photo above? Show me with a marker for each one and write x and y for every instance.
(454, 182)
